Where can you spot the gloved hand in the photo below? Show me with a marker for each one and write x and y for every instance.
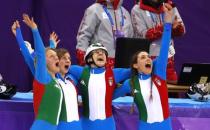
(80, 57)
(154, 33)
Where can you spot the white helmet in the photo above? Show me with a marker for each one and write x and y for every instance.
(92, 47)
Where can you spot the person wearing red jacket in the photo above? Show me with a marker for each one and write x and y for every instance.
(147, 20)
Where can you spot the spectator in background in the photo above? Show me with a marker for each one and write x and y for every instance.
(147, 19)
(103, 22)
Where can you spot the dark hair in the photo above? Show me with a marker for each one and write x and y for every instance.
(101, 1)
(134, 72)
(61, 52)
(89, 59)
(154, 4)
(134, 59)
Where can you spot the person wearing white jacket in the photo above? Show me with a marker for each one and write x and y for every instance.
(103, 22)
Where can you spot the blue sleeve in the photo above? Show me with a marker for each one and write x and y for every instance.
(24, 50)
(122, 90)
(52, 44)
(121, 74)
(161, 62)
(72, 78)
(76, 71)
(41, 73)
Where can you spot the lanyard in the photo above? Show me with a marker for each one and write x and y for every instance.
(110, 17)
(160, 17)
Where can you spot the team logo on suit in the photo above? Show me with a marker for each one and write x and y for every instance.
(111, 81)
